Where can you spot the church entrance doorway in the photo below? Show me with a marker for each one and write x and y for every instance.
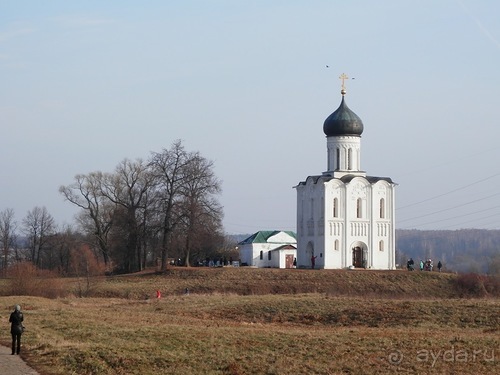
(357, 257)
(289, 261)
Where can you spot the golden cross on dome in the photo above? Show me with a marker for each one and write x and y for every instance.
(343, 77)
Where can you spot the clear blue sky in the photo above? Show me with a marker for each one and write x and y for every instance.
(85, 84)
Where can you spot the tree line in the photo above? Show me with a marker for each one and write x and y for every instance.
(143, 213)
(464, 250)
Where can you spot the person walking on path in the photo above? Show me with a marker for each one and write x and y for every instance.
(16, 329)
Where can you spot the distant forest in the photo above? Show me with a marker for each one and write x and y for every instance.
(464, 250)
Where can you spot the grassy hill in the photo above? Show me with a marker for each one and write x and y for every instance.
(253, 281)
(238, 321)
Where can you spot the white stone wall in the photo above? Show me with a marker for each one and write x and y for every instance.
(279, 257)
(246, 254)
(281, 238)
(332, 238)
(383, 240)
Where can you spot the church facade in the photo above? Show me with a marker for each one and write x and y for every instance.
(345, 218)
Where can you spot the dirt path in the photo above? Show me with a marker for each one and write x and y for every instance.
(13, 364)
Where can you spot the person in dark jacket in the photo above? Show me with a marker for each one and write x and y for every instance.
(16, 329)
(313, 261)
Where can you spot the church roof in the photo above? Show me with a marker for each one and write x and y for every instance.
(285, 247)
(346, 179)
(343, 122)
(371, 179)
(263, 236)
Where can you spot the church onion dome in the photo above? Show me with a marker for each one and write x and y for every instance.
(343, 122)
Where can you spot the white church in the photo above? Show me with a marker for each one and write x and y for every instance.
(345, 219)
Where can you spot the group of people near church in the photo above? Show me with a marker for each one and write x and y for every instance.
(424, 266)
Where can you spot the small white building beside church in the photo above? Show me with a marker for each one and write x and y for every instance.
(274, 249)
(345, 218)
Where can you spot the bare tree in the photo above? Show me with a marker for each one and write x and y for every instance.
(128, 188)
(148, 228)
(202, 211)
(38, 226)
(60, 247)
(143, 209)
(86, 193)
(169, 169)
(7, 235)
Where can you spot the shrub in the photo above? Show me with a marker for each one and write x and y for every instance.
(84, 265)
(492, 285)
(25, 279)
(475, 285)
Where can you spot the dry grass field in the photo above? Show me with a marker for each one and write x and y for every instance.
(261, 321)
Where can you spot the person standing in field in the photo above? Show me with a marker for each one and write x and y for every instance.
(313, 261)
(440, 265)
(16, 328)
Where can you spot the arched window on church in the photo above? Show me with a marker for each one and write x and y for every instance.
(382, 208)
(269, 255)
(261, 255)
(359, 213)
(349, 159)
(338, 158)
(381, 245)
(335, 207)
(336, 245)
